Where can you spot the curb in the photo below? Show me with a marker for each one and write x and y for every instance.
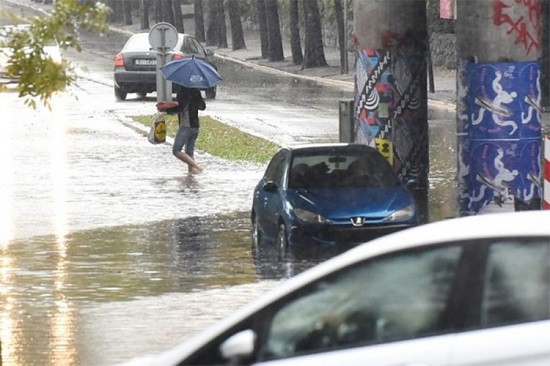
(325, 81)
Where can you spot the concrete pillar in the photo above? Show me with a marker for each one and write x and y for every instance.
(390, 81)
(498, 105)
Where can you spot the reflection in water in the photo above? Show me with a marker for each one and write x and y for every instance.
(442, 192)
(63, 336)
(7, 313)
(67, 273)
(37, 320)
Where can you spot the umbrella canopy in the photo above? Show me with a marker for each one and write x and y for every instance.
(191, 73)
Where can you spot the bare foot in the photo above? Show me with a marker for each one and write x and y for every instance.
(196, 170)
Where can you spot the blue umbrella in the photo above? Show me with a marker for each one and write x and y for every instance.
(191, 73)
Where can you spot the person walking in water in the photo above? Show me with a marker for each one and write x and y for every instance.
(189, 103)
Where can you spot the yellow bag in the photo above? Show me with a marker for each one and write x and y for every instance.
(157, 134)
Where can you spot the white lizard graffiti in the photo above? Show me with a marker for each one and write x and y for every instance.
(496, 184)
(496, 107)
(534, 105)
(503, 174)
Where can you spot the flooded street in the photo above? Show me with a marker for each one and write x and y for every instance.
(95, 220)
(110, 250)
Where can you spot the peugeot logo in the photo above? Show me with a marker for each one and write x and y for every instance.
(357, 221)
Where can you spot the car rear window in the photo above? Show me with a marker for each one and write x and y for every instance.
(138, 43)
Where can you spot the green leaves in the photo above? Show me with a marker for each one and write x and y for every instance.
(42, 74)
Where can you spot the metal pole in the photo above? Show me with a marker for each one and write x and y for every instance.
(346, 65)
(163, 62)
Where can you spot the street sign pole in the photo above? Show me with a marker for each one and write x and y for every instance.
(163, 37)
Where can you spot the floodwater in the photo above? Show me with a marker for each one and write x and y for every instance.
(110, 250)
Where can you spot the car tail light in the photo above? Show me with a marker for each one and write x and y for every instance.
(119, 60)
(177, 56)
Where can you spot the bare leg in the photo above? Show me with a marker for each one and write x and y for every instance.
(192, 165)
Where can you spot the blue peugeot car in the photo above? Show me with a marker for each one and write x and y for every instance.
(329, 194)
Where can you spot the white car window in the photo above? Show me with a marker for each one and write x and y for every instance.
(395, 298)
(138, 42)
(517, 285)
(514, 308)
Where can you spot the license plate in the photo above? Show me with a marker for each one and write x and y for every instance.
(146, 62)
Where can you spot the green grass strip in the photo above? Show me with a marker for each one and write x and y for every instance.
(221, 140)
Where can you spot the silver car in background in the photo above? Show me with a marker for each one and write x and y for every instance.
(135, 66)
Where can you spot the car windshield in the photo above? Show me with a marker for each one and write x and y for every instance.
(342, 169)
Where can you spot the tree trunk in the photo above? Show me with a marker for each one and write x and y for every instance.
(127, 6)
(119, 11)
(339, 13)
(314, 54)
(178, 16)
(144, 14)
(199, 20)
(274, 40)
(164, 11)
(111, 17)
(222, 29)
(262, 22)
(237, 37)
(295, 42)
(213, 24)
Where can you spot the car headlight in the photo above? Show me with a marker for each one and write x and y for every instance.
(403, 214)
(309, 216)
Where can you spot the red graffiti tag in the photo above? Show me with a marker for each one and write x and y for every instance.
(520, 25)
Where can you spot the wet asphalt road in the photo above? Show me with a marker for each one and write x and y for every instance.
(109, 249)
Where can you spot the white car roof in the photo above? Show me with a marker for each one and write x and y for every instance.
(514, 224)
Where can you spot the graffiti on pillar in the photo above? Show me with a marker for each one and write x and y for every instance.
(499, 135)
(388, 108)
(526, 26)
(373, 97)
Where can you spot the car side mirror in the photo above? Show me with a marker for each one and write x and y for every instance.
(271, 186)
(411, 182)
(209, 52)
(239, 346)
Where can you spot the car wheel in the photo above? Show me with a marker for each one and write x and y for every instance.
(120, 94)
(282, 239)
(256, 233)
(211, 93)
(142, 95)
